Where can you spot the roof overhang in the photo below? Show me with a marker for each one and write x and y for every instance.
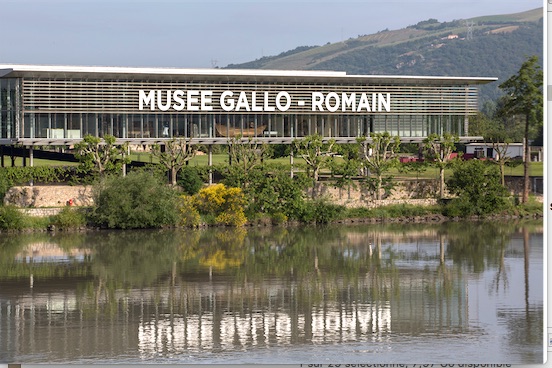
(129, 73)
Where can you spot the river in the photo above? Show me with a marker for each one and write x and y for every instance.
(461, 292)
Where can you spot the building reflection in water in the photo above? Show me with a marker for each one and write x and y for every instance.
(361, 287)
(211, 322)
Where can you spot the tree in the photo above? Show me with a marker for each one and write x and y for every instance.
(315, 152)
(177, 152)
(525, 98)
(343, 171)
(244, 156)
(439, 149)
(101, 155)
(272, 191)
(380, 156)
(494, 132)
(477, 185)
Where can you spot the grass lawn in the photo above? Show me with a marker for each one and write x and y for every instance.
(38, 162)
(535, 169)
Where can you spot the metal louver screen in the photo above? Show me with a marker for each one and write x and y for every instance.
(40, 95)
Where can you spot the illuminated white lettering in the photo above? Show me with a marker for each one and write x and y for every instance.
(242, 102)
(266, 105)
(200, 100)
(317, 100)
(179, 101)
(348, 101)
(148, 99)
(328, 101)
(382, 102)
(167, 105)
(287, 97)
(192, 101)
(254, 106)
(206, 100)
(226, 102)
(363, 103)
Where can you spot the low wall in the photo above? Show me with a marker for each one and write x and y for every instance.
(41, 212)
(416, 192)
(49, 196)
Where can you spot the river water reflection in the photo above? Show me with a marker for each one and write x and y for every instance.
(458, 292)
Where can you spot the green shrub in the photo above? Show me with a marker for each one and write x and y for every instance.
(359, 212)
(392, 211)
(4, 186)
(278, 218)
(11, 218)
(479, 189)
(138, 200)
(408, 210)
(271, 190)
(321, 211)
(69, 218)
(189, 180)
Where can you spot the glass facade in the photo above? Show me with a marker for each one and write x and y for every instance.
(156, 107)
(10, 105)
(142, 126)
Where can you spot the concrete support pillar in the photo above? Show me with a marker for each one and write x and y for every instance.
(210, 162)
(31, 156)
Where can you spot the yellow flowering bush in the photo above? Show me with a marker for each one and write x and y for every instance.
(225, 204)
(211, 198)
(189, 215)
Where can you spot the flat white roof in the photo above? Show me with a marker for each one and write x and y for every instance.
(18, 70)
(170, 71)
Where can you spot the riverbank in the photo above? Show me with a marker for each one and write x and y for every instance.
(21, 220)
(39, 208)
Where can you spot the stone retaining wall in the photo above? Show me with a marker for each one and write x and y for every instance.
(41, 212)
(415, 192)
(49, 196)
(41, 200)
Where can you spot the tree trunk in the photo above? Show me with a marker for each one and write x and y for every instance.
(526, 161)
(441, 182)
(173, 176)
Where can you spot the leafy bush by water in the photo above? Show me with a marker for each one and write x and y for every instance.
(138, 200)
(321, 211)
(11, 218)
(69, 218)
(392, 211)
(478, 188)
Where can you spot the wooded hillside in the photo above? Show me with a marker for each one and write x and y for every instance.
(490, 46)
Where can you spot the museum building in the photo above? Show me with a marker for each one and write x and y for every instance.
(59, 105)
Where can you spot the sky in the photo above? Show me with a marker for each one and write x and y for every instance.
(206, 33)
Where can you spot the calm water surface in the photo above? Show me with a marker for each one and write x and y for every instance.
(459, 292)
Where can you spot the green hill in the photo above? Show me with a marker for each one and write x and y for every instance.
(488, 46)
